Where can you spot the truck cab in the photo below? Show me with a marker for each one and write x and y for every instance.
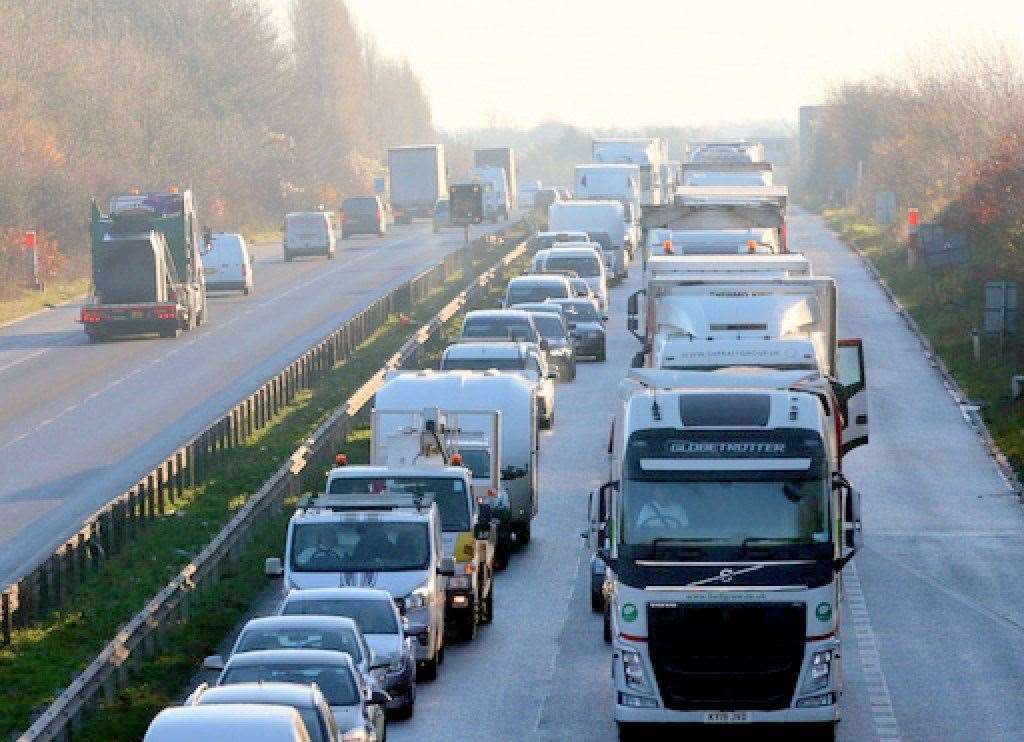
(726, 526)
(391, 540)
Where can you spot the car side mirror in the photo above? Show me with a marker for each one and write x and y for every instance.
(447, 567)
(273, 567)
(379, 698)
(213, 662)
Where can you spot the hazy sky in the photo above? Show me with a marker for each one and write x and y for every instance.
(637, 62)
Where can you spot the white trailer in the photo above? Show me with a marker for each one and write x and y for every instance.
(649, 153)
(509, 394)
(419, 177)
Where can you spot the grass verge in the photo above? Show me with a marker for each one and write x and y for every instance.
(947, 305)
(43, 659)
(32, 301)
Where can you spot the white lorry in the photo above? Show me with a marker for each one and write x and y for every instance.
(516, 400)
(649, 153)
(612, 182)
(725, 528)
(604, 222)
(419, 177)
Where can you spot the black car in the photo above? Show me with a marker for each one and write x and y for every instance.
(587, 326)
(560, 348)
(363, 215)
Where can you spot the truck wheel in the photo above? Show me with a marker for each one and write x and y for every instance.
(502, 551)
(607, 629)
(487, 609)
(631, 732)
(522, 531)
(596, 598)
(427, 671)
(825, 732)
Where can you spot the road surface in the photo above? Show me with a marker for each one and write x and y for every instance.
(81, 422)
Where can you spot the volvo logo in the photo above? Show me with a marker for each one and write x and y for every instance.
(726, 574)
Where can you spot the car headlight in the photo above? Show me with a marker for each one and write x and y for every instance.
(633, 669)
(819, 671)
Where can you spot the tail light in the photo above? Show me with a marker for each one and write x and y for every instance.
(90, 317)
(168, 312)
(341, 459)
(456, 459)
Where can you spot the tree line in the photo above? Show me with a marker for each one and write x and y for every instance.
(97, 96)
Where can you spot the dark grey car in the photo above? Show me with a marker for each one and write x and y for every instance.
(363, 215)
(587, 326)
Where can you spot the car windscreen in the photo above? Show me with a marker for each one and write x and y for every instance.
(580, 311)
(527, 292)
(373, 616)
(550, 325)
(448, 492)
(514, 328)
(336, 683)
(586, 266)
(340, 640)
(359, 546)
(359, 206)
(483, 364)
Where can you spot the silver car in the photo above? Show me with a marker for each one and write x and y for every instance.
(388, 634)
(358, 709)
(308, 700)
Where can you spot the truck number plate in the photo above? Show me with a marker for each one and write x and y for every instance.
(726, 717)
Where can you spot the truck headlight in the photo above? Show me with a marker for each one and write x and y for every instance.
(633, 669)
(416, 600)
(459, 582)
(819, 671)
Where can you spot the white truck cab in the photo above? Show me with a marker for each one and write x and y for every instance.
(725, 528)
(391, 540)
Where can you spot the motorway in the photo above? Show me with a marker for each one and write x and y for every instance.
(80, 423)
(932, 628)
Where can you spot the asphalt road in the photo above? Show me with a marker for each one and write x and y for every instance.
(933, 622)
(80, 423)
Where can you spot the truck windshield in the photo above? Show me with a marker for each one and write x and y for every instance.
(449, 493)
(725, 490)
(477, 460)
(359, 546)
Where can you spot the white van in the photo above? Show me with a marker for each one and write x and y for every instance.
(228, 264)
(308, 233)
(603, 221)
(228, 723)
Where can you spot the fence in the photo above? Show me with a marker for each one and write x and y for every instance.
(44, 587)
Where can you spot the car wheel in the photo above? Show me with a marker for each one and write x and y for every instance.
(467, 632)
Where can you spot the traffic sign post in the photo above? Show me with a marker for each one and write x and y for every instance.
(913, 220)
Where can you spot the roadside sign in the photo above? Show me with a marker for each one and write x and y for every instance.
(466, 203)
(941, 248)
(1000, 316)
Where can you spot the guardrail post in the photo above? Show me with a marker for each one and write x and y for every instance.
(149, 503)
(161, 491)
(179, 484)
(6, 619)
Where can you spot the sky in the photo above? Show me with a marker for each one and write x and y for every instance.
(661, 62)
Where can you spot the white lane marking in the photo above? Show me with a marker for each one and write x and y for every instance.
(21, 360)
(886, 727)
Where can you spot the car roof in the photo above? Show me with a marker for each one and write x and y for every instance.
(573, 251)
(338, 593)
(538, 279)
(516, 313)
(191, 722)
(500, 349)
(286, 622)
(536, 306)
(292, 657)
(284, 694)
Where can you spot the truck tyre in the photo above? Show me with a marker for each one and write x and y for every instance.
(427, 671)
(596, 599)
(825, 732)
(502, 551)
(522, 531)
(631, 732)
(487, 609)
(607, 628)
(469, 623)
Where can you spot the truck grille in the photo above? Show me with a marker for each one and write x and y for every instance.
(729, 656)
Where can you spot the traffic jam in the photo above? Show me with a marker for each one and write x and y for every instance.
(716, 546)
